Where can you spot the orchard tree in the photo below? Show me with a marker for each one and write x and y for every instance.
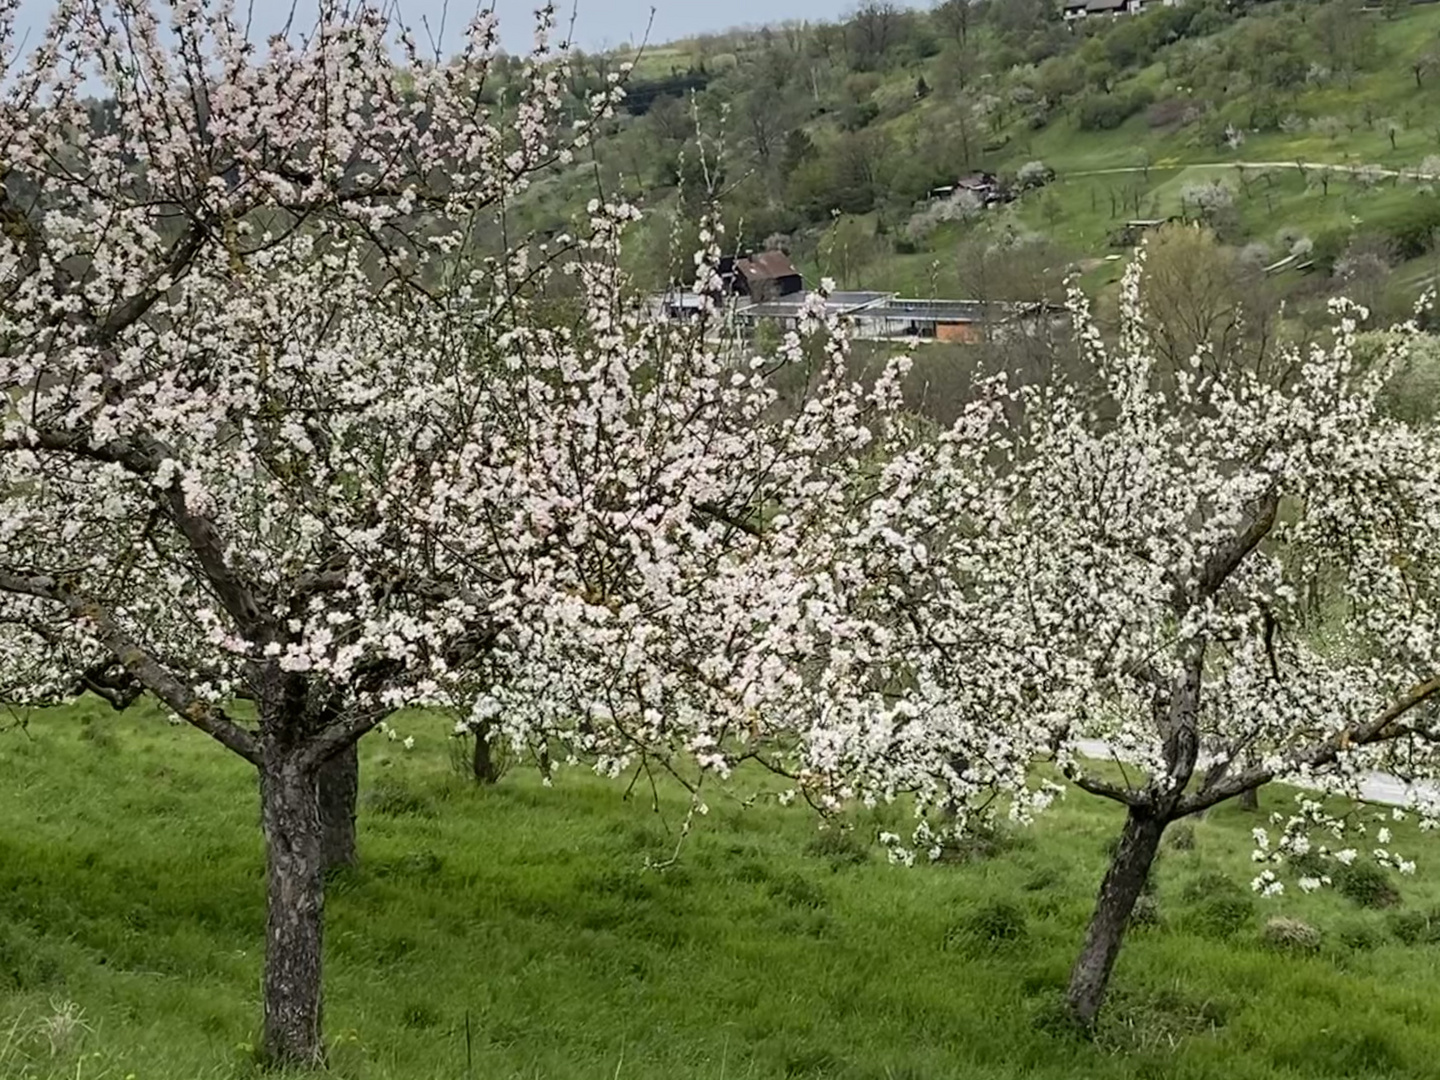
(237, 359)
(277, 431)
(1166, 559)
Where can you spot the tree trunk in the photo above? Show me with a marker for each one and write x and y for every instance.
(295, 902)
(1250, 799)
(339, 787)
(483, 765)
(1123, 884)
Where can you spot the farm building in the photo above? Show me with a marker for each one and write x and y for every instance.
(884, 316)
(766, 275)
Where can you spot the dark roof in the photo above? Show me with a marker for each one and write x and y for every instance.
(1105, 5)
(766, 266)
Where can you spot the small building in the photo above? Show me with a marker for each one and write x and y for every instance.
(1080, 9)
(984, 186)
(766, 275)
(680, 305)
(788, 312)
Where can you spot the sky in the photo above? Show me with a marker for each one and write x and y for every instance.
(600, 24)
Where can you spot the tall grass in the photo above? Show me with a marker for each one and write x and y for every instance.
(515, 932)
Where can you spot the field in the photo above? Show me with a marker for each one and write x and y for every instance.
(516, 933)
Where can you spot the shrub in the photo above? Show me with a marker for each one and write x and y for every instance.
(1366, 884)
(1413, 227)
(982, 841)
(390, 799)
(1290, 935)
(989, 928)
(796, 891)
(1358, 936)
(1172, 112)
(1145, 913)
(1328, 247)
(1222, 916)
(1416, 927)
(1220, 906)
(1045, 878)
(1034, 174)
(1207, 885)
(839, 846)
(1181, 837)
(1104, 112)
(860, 115)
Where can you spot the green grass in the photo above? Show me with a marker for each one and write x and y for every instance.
(130, 888)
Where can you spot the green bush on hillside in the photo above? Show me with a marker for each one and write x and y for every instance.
(1103, 112)
(1366, 884)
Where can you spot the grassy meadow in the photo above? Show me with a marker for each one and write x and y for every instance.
(516, 932)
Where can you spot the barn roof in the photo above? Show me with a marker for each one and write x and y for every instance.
(766, 266)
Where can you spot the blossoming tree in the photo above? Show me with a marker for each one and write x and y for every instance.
(276, 432)
(1166, 560)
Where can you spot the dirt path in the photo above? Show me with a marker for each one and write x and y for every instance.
(1409, 174)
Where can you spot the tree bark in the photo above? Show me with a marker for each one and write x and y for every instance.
(295, 902)
(483, 765)
(1250, 799)
(339, 787)
(1123, 884)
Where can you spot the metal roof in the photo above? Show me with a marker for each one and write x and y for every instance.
(767, 265)
(791, 307)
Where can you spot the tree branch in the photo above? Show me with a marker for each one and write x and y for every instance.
(1106, 790)
(1380, 729)
(143, 457)
(160, 682)
(1224, 560)
(336, 736)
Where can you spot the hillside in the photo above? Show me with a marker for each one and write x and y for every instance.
(1296, 127)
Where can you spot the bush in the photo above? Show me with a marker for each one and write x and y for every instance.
(1366, 884)
(988, 929)
(1181, 837)
(860, 115)
(982, 841)
(1034, 174)
(1170, 113)
(839, 846)
(1328, 247)
(1416, 927)
(1413, 227)
(797, 892)
(1145, 913)
(1361, 937)
(1290, 935)
(390, 799)
(1047, 877)
(1220, 906)
(1104, 112)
